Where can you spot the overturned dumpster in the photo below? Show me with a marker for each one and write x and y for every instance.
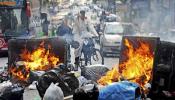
(136, 63)
(43, 60)
(137, 58)
(146, 61)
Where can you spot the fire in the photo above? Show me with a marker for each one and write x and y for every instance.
(111, 76)
(39, 59)
(137, 67)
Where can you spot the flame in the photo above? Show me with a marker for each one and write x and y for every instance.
(41, 59)
(136, 68)
(111, 76)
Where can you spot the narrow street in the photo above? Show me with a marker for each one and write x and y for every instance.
(47, 39)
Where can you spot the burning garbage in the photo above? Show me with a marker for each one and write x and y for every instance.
(34, 55)
(43, 61)
(136, 62)
(39, 59)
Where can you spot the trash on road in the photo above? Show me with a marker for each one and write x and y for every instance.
(11, 91)
(53, 92)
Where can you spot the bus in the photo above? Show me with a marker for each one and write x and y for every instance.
(14, 20)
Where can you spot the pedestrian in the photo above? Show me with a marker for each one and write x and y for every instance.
(103, 16)
(45, 26)
(82, 29)
(65, 31)
(15, 21)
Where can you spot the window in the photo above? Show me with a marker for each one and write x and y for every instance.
(114, 29)
(12, 23)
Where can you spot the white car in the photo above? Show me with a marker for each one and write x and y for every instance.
(111, 37)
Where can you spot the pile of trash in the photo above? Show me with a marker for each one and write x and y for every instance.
(61, 84)
(52, 85)
(9, 91)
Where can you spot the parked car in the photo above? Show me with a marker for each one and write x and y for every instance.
(111, 37)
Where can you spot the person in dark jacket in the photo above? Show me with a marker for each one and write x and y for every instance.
(65, 31)
(103, 16)
(45, 27)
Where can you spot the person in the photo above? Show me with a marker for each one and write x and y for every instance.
(82, 29)
(103, 16)
(15, 21)
(45, 26)
(65, 31)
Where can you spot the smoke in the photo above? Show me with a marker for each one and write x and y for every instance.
(159, 21)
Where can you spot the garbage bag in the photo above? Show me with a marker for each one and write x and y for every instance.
(86, 92)
(53, 93)
(94, 72)
(48, 78)
(13, 92)
(82, 80)
(120, 91)
(67, 82)
(34, 76)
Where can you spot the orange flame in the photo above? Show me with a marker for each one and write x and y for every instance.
(111, 76)
(136, 68)
(40, 59)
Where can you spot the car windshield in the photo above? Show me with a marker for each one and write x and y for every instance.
(114, 29)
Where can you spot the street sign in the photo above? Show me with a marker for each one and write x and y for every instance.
(11, 3)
